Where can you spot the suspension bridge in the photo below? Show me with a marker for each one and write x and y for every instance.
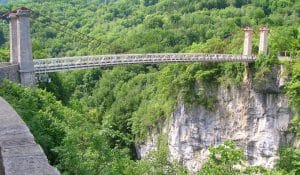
(85, 62)
(18, 149)
(30, 69)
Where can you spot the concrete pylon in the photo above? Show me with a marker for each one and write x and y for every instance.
(25, 58)
(263, 40)
(248, 41)
(13, 41)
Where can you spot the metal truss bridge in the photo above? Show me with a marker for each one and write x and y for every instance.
(42, 66)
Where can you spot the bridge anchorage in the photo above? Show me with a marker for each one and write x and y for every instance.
(32, 71)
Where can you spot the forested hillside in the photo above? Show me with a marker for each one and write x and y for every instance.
(75, 27)
(89, 121)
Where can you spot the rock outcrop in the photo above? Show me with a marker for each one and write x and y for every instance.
(256, 121)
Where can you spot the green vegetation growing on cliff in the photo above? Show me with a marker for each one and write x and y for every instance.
(91, 120)
(228, 159)
(222, 160)
(289, 155)
(78, 141)
(293, 90)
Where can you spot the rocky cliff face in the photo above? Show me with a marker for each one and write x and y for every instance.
(256, 121)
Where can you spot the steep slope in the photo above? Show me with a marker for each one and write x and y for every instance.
(257, 121)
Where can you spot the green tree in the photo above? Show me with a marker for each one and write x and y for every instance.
(289, 160)
(222, 160)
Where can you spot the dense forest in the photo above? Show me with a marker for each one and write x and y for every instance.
(89, 121)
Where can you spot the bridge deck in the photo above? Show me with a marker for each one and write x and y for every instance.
(85, 62)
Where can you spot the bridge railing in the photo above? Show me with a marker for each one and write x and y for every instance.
(83, 62)
(4, 64)
(285, 55)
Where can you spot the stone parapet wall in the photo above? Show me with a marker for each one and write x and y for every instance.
(20, 155)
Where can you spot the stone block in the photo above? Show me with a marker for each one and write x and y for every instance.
(9, 72)
(20, 155)
(28, 165)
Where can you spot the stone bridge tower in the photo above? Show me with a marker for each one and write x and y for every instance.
(20, 44)
(263, 40)
(248, 41)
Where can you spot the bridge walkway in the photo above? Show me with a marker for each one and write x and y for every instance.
(85, 62)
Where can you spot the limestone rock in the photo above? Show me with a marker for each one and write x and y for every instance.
(256, 121)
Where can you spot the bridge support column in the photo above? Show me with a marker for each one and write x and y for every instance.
(248, 41)
(263, 40)
(24, 47)
(247, 51)
(13, 38)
